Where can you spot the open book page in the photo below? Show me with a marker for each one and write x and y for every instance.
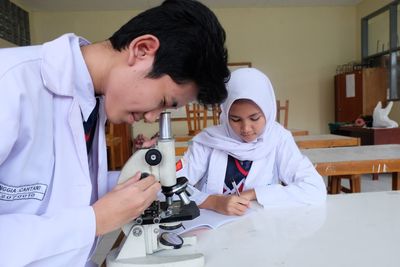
(209, 219)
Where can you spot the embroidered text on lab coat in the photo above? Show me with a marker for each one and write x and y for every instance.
(33, 191)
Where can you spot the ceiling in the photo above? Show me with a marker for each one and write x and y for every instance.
(84, 5)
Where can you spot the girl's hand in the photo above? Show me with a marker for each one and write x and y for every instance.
(249, 194)
(226, 204)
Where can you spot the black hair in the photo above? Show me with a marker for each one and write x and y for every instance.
(192, 45)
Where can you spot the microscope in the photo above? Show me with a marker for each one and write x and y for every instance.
(149, 236)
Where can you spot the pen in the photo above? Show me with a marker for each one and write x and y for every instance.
(235, 186)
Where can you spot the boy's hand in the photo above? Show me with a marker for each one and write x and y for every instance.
(124, 203)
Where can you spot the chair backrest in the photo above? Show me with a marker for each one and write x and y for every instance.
(282, 108)
(196, 117)
(216, 111)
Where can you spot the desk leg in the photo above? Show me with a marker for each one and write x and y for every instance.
(334, 184)
(395, 181)
(375, 176)
(329, 187)
(355, 183)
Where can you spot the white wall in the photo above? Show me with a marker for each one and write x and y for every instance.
(299, 49)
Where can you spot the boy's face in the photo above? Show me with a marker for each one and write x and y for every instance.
(131, 96)
(246, 119)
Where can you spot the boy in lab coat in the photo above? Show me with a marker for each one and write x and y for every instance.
(55, 196)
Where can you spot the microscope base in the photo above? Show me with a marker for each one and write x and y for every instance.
(191, 260)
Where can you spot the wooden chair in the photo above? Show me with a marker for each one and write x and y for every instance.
(180, 150)
(335, 184)
(234, 65)
(282, 108)
(114, 145)
(216, 111)
(196, 117)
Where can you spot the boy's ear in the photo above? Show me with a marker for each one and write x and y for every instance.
(142, 47)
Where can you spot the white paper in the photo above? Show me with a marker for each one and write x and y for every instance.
(209, 219)
(350, 85)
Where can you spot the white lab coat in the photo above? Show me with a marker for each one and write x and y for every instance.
(205, 168)
(46, 218)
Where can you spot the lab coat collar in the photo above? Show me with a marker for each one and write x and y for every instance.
(65, 51)
(83, 83)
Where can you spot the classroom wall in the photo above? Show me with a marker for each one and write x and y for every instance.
(297, 47)
(94, 25)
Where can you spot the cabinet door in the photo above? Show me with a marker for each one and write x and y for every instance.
(348, 102)
(123, 131)
(375, 84)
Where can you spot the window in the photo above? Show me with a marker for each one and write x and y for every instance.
(14, 23)
(380, 45)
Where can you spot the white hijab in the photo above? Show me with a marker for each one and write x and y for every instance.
(252, 84)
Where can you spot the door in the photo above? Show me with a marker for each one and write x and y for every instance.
(348, 96)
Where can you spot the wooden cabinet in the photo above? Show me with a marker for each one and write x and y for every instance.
(371, 136)
(124, 131)
(119, 144)
(358, 92)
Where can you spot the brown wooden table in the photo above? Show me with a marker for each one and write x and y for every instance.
(298, 132)
(325, 140)
(371, 136)
(295, 132)
(357, 160)
(303, 142)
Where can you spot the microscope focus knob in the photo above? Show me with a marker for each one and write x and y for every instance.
(153, 157)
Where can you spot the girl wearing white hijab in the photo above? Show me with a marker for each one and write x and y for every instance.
(249, 156)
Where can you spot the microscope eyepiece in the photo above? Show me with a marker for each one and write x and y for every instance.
(165, 125)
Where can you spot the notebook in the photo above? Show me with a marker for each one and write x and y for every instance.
(208, 219)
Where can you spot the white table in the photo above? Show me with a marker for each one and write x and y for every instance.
(352, 230)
